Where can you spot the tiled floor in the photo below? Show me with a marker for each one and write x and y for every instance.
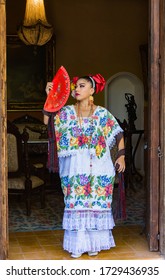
(47, 245)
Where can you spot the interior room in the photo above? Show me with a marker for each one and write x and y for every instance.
(96, 36)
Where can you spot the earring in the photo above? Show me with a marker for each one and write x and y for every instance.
(91, 99)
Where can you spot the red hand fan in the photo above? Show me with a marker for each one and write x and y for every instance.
(59, 95)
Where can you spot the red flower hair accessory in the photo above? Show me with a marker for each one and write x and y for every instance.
(99, 81)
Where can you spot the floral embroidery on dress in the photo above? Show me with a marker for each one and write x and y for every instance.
(95, 134)
(104, 187)
(83, 185)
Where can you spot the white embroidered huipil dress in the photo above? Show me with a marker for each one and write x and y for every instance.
(87, 178)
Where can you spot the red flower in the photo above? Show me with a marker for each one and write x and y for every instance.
(58, 135)
(74, 80)
(68, 190)
(100, 82)
(110, 123)
(82, 140)
(102, 141)
(85, 139)
(87, 189)
(108, 190)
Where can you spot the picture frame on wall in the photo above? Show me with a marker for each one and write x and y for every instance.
(29, 68)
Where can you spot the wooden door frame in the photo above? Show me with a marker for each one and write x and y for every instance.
(155, 223)
(153, 127)
(3, 144)
(162, 129)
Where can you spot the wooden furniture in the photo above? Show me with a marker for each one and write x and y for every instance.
(38, 140)
(36, 128)
(23, 178)
(38, 147)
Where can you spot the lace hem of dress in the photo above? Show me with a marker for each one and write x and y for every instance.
(69, 152)
(112, 141)
(66, 153)
(88, 219)
(79, 242)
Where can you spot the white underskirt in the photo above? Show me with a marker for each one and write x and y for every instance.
(79, 242)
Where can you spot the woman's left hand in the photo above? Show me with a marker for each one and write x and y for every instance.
(120, 164)
(49, 86)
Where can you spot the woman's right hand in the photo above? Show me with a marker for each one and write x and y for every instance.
(49, 86)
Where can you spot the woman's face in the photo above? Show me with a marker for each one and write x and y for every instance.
(83, 89)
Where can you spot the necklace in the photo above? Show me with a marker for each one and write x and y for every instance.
(91, 129)
(80, 115)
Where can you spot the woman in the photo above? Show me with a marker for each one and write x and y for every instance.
(85, 133)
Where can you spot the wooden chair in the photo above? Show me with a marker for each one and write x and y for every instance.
(23, 177)
(36, 128)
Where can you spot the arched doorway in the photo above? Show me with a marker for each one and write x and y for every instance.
(116, 88)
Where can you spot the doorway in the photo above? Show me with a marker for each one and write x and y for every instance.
(153, 227)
